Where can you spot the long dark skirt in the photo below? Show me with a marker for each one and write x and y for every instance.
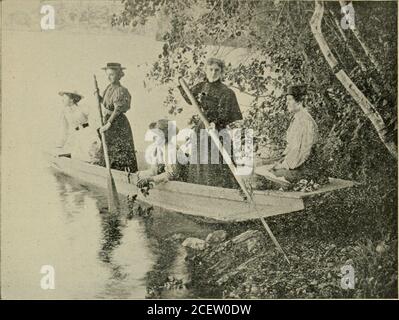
(211, 174)
(120, 145)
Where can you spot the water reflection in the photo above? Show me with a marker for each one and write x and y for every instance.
(109, 239)
(136, 256)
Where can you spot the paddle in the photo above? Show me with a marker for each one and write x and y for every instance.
(113, 200)
(227, 159)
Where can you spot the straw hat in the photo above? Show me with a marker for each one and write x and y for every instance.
(73, 94)
(113, 65)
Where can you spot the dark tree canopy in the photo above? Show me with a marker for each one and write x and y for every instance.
(282, 51)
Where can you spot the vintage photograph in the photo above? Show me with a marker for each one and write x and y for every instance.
(199, 149)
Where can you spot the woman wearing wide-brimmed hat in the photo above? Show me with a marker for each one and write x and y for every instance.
(77, 138)
(116, 101)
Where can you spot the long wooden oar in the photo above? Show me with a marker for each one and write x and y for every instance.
(113, 200)
(227, 159)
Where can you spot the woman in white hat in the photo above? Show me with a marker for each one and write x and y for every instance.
(77, 139)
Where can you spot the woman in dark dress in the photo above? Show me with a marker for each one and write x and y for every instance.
(118, 134)
(220, 106)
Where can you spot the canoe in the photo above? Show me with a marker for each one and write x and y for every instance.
(214, 203)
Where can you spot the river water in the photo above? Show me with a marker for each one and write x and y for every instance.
(50, 220)
(95, 255)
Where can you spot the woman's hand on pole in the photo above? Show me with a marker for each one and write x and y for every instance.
(105, 127)
(144, 182)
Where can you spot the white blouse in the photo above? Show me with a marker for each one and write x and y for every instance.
(71, 117)
(302, 134)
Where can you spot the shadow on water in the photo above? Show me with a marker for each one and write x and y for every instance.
(170, 276)
(139, 249)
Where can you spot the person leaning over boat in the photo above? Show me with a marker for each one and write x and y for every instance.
(300, 156)
(220, 106)
(162, 170)
(77, 138)
(116, 101)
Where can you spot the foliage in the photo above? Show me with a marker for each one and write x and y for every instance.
(332, 237)
(281, 50)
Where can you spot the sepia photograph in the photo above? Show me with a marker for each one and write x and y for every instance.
(221, 150)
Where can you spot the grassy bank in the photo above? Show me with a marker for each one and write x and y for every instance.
(334, 231)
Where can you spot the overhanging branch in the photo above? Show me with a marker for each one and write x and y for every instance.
(367, 107)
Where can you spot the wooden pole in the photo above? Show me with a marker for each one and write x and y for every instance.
(113, 199)
(227, 159)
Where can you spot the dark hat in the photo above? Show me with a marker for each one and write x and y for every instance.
(113, 65)
(73, 94)
(297, 90)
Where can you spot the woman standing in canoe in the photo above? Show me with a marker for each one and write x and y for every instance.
(220, 106)
(116, 101)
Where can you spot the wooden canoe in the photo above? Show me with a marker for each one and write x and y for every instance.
(214, 203)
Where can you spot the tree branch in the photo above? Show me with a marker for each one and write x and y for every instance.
(368, 109)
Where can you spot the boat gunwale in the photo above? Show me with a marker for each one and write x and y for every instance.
(198, 189)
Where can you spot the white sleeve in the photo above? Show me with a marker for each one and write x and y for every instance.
(301, 145)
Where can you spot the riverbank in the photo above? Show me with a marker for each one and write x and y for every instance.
(323, 242)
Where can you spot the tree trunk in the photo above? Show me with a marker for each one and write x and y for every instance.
(366, 106)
